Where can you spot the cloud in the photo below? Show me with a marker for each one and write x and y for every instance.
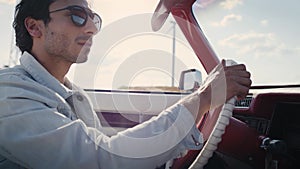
(264, 22)
(204, 3)
(8, 1)
(230, 4)
(258, 45)
(228, 19)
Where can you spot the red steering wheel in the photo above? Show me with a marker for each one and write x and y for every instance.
(213, 123)
(212, 126)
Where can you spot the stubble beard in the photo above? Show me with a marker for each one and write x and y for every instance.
(58, 45)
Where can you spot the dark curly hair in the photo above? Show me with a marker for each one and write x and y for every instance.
(37, 9)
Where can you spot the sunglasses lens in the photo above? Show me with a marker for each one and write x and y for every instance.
(78, 20)
(97, 21)
(78, 16)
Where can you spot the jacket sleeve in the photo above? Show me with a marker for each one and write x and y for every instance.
(35, 135)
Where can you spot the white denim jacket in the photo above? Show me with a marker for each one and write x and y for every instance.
(39, 129)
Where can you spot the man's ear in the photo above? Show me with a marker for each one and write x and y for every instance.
(33, 27)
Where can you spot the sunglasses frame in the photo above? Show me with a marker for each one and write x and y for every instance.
(86, 11)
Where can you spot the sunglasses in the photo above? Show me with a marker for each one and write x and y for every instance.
(79, 15)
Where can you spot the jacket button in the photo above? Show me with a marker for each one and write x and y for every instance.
(79, 97)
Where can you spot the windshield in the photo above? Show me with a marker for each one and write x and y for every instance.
(127, 54)
(261, 34)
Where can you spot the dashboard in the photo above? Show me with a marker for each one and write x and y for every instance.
(268, 126)
(264, 115)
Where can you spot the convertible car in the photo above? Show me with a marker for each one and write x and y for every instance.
(151, 54)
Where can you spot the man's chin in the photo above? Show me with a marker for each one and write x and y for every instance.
(81, 59)
(83, 56)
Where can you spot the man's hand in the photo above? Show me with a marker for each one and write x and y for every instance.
(223, 83)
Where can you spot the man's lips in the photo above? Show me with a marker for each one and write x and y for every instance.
(86, 43)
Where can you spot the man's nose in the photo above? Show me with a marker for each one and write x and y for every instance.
(91, 27)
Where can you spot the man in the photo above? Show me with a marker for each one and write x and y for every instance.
(47, 122)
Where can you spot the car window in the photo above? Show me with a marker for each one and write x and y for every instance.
(261, 34)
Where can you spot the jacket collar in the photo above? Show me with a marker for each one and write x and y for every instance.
(42, 76)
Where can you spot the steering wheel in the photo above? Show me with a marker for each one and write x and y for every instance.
(212, 126)
(217, 122)
(216, 127)
(213, 123)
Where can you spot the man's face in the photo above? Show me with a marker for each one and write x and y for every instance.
(63, 38)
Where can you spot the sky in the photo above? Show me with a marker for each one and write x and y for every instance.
(260, 34)
(6, 15)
